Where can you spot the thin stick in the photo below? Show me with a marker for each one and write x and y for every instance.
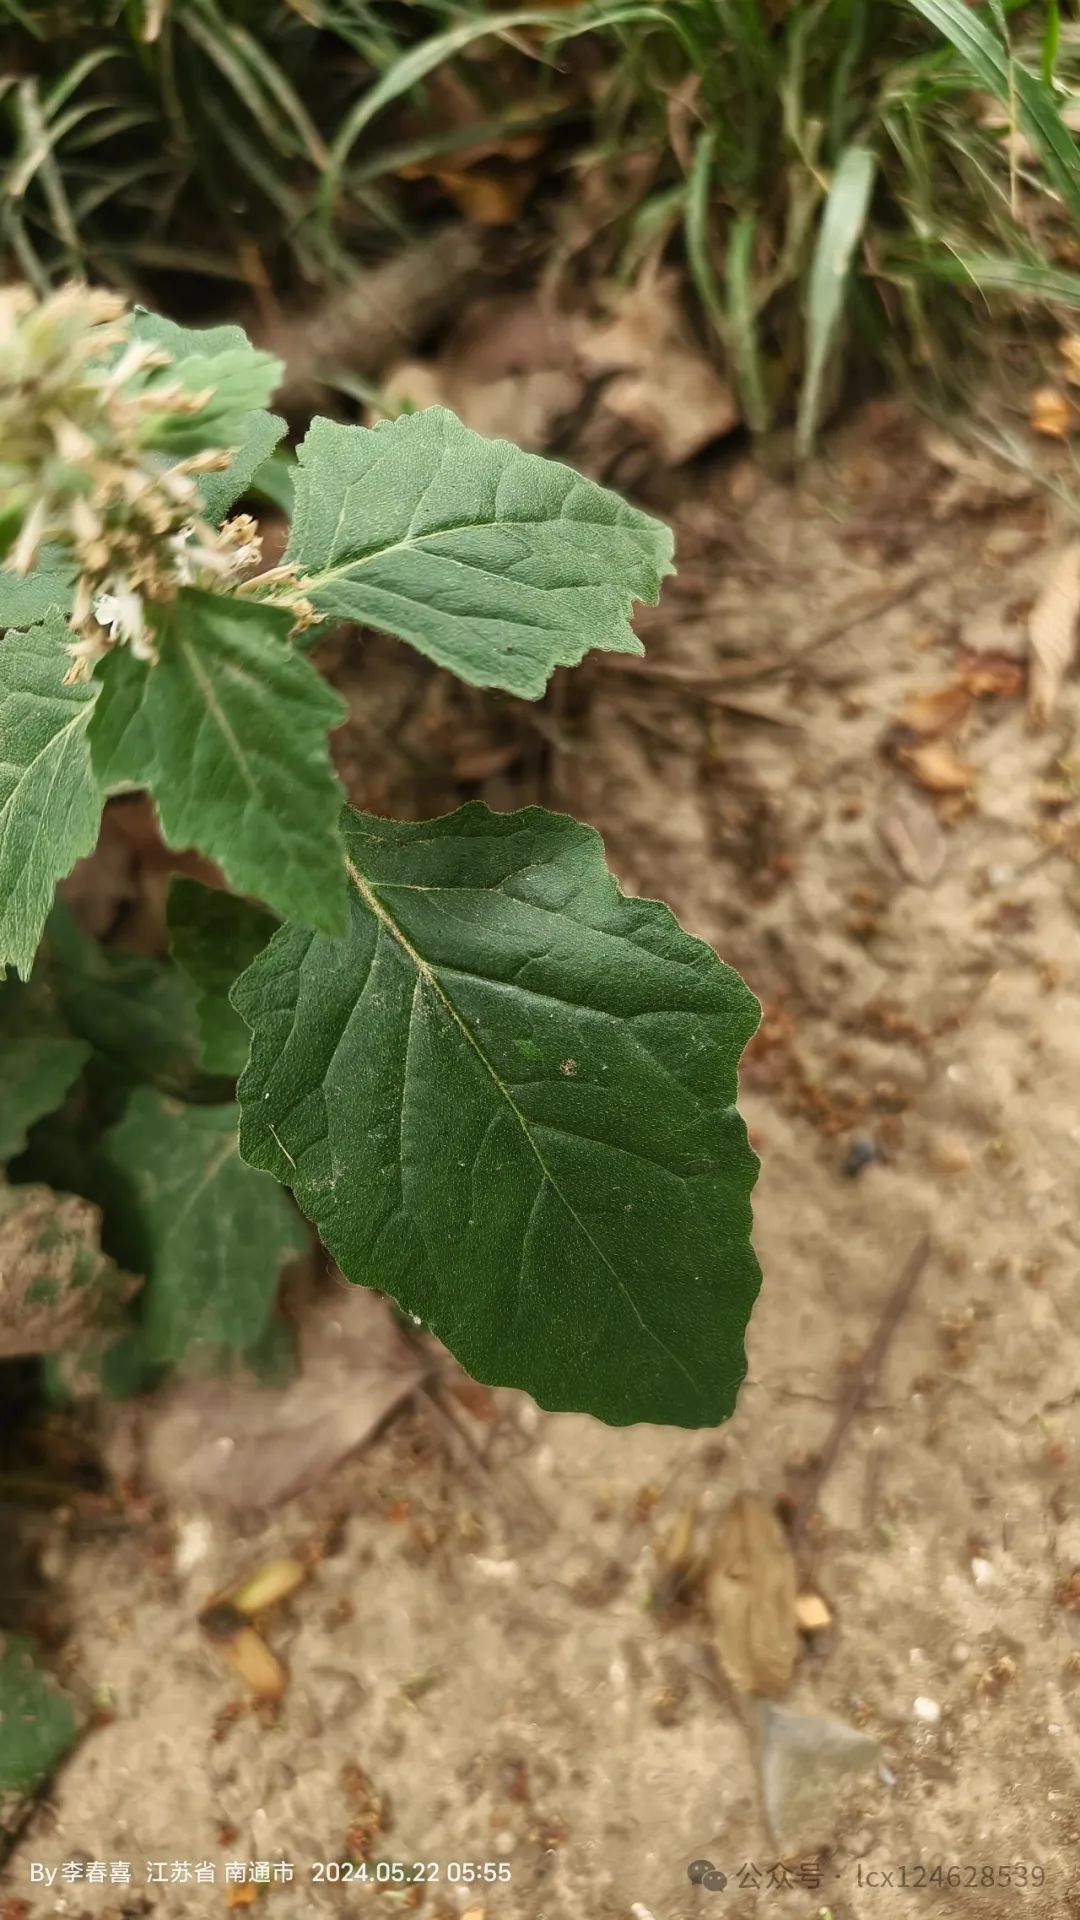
(862, 1382)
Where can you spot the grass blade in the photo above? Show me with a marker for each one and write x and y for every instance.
(1032, 280)
(1051, 42)
(742, 325)
(1010, 82)
(698, 239)
(407, 73)
(841, 225)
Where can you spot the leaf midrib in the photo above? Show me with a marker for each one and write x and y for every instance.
(217, 715)
(427, 973)
(314, 581)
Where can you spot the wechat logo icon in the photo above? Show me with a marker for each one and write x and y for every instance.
(702, 1873)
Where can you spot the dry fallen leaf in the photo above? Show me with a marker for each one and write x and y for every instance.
(912, 832)
(1069, 348)
(242, 1446)
(1052, 413)
(1052, 632)
(935, 765)
(936, 712)
(57, 1289)
(977, 476)
(493, 196)
(666, 386)
(750, 1597)
(993, 673)
(504, 371)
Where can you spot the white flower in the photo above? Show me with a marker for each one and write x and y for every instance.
(183, 560)
(122, 612)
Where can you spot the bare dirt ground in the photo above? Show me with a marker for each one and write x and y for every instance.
(481, 1636)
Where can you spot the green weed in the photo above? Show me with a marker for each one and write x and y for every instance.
(880, 172)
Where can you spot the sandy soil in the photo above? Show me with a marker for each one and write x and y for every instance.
(482, 1641)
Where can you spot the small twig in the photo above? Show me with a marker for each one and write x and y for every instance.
(866, 607)
(468, 1456)
(704, 685)
(862, 1381)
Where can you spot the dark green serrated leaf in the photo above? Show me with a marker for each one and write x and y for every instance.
(39, 1062)
(50, 802)
(214, 936)
(221, 491)
(26, 599)
(37, 1723)
(228, 730)
(36, 1073)
(208, 1232)
(136, 1013)
(243, 378)
(498, 564)
(508, 1098)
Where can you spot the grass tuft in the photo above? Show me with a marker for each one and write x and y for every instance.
(832, 172)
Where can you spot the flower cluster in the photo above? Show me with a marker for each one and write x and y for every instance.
(82, 405)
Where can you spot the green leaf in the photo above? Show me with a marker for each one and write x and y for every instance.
(214, 936)
(39, 1063)
(1016, 87)
(26, 599)
(1020, 278)
(1051, 42)
(209, 1233)
(136, 1012)
(50, 802)
(841, 225)
(508, 1099)
(221, 491)
(36, 1073)
(228, 729)
(238, 381)
(56, 1285)
(497, 564)
(272, 480)
(39, 1060)
(742, 323)
(37, 1722)
(242, 379)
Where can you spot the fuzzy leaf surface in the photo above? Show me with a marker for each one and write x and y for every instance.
(508, 1099)
(228, 730)
(243, 380)
(136, 1012)
(50, 802)
(498, 564)
(208, 1232)
(214, 936)
(27, 599)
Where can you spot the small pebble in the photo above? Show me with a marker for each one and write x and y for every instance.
(950, 1156)
(982, 1572)
(959, 1654)
(927, 1710)
(863, 1151)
